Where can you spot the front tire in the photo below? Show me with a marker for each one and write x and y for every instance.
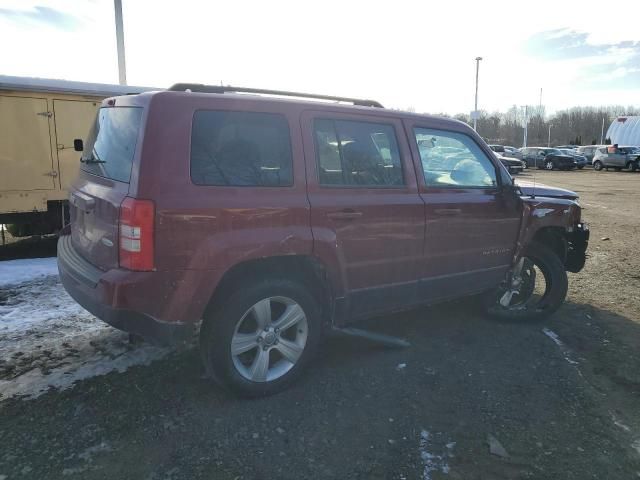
(548, 165)
(542, 287)
(258, 340)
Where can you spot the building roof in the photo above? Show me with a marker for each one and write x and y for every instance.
(33, 84)
(625, 130)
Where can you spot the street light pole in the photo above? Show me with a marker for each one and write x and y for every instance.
(122, 68)
(549, 138)
(475, 110)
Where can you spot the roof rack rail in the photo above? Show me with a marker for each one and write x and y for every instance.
(199, 87)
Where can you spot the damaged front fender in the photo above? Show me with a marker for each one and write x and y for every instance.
(559, 215)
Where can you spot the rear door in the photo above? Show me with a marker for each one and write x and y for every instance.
(73, 119)
(471, 223)
(103, 183)
(365, 208)
(25, 145)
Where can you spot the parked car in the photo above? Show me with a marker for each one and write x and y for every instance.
(588, 151)
(498, 148)
(613, 156)
(547, 158)
(513, 165)
(271, 222)
(509, 151)
(567, 147)
(581, 160)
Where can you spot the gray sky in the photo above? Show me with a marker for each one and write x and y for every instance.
(405, 54)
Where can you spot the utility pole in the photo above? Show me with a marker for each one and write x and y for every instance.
(549, 137)
(525, 124)
(602, 133)
(540, 118)
(540, 105)
(475, 110)
(122, 68)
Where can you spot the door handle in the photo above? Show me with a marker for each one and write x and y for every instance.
(447, 212)
(346, 214)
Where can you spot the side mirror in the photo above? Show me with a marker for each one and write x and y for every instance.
(78, 145)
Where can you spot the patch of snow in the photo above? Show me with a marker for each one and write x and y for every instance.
(553, 336)
(565, 351)
(618, 423)
(15, 272)
(636, 446)
(401, 366)
(49, 341)
(430, 461)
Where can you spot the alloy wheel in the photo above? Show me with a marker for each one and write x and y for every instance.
(269, 339)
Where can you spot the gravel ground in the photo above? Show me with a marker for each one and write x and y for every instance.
(556, 400)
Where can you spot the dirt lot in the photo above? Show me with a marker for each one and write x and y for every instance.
(562, 398)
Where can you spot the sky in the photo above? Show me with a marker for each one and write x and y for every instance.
(405, 54)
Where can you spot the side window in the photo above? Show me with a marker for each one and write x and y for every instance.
(240, 149)
(451, 159)
(357, 153)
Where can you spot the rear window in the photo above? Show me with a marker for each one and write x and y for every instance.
(240, 149)
(111, 144)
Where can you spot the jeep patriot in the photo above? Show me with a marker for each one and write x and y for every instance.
(266, 221)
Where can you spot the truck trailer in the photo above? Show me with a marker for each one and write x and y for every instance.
(39, 119)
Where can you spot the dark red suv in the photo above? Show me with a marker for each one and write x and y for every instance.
(272, 220)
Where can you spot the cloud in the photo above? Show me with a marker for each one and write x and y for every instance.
(42, 16)
(592, 64)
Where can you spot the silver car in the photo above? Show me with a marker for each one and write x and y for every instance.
(613, 156)
(588, 151)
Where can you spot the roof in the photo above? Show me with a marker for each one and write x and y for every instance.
(625, 130)
(33, 84)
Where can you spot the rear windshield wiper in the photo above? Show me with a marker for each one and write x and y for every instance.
(93, 159)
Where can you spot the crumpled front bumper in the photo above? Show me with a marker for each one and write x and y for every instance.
(577, 242)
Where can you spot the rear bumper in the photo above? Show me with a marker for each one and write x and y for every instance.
(578, 240)
(135, 302)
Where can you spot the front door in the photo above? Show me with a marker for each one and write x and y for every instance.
(365, 209)
(471, 222)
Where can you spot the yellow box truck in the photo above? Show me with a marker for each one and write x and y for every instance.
(39, 119)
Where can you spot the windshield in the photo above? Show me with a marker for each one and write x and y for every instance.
(111, 144)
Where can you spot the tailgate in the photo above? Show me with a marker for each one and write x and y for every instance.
(94, 207)
(95, 198)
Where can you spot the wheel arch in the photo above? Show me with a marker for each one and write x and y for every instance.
(554, 238)
(306, 269)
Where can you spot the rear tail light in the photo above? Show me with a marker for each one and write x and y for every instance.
(136, 234)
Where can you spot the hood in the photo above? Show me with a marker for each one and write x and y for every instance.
(541, 190)
(511, 161)
(562, 156)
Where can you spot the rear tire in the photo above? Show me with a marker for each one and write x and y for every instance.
(556, 285)
(548, 165)
(632, 166)
(597, 165)
(253, 312)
